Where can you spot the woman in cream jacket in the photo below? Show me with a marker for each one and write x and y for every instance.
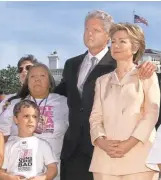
(125, 112)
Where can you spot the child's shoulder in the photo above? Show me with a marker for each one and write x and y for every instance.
(12, 141)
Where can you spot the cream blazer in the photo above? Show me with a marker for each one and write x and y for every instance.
(120, 110)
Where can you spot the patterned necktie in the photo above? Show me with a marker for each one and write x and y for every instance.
(93, 63)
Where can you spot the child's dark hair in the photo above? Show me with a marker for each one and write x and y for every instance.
(24, 104)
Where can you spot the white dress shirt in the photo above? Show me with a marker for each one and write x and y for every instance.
(86, 64)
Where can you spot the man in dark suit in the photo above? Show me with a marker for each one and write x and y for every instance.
(78, 84)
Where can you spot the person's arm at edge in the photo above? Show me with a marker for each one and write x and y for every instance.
(1, 149)
(5, 176)
(96, 120)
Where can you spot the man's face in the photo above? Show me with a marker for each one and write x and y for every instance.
(95, 37)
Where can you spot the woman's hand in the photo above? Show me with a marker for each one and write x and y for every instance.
(125, 146)
(116, 148)
(109, 146)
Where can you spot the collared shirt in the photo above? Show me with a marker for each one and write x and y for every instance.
(86, 64)
(133, 71)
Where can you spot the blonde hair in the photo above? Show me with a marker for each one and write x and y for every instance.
(136, 35)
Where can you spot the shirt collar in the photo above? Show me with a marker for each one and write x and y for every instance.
(114, 78)
(100, 55)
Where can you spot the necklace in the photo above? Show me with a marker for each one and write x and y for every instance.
(123, 73)
(41, 114)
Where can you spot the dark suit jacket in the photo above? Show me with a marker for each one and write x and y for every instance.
(78, 133)
(159, 119)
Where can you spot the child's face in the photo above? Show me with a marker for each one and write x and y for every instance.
(27, 120)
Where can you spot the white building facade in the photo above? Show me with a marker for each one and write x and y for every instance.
(54, 66)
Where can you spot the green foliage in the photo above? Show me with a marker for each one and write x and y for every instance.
(9, 80)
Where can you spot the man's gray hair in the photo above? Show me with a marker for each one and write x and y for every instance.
(106, 18)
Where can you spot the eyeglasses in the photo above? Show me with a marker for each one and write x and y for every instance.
(20, 69)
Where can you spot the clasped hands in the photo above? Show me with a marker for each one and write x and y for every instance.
(116, 148)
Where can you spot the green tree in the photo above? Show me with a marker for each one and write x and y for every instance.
(9, 81)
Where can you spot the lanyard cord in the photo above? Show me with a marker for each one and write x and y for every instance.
(46, 99)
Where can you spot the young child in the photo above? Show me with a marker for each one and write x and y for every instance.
(27, 156)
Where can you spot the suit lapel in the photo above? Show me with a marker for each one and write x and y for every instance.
(78, 65)
(101, 67)
(75, 71)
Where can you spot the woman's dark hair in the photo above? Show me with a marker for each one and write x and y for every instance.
(29, 57)
(24, 91)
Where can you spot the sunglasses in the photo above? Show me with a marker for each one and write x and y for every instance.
(20, 69)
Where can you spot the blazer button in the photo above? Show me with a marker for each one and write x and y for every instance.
(81, 109)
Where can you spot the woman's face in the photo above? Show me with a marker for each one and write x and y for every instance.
(23, 70)
(121, 46)
(38, 82)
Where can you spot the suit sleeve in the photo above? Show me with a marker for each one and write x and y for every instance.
(96, 117)
(159, 119)
(151, 109)
(61, 88)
